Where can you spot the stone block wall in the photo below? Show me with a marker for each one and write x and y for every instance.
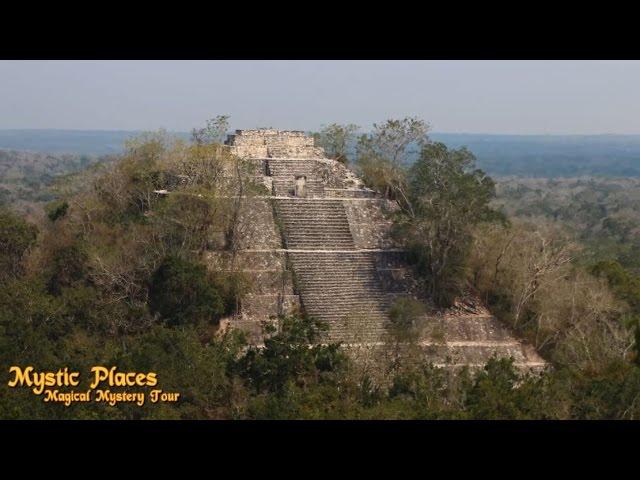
(257, 226)
(272, 288)
(370, 222)
(273, 143)
(262, 307)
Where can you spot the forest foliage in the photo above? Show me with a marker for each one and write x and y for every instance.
(115, 274)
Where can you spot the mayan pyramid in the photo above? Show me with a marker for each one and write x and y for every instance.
(320, 242)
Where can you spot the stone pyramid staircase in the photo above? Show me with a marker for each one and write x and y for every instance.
(342, 288)
(337, 283)
(284, 171)
(314, 224)
(337, 269)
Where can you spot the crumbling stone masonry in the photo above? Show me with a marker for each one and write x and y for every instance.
(321, 242)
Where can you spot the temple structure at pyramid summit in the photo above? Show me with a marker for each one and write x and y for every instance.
(320, 242)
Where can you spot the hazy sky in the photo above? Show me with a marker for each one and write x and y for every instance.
(558, 97)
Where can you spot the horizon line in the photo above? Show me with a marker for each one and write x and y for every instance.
(232, 131)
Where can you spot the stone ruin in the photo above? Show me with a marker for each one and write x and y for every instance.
(320, 242)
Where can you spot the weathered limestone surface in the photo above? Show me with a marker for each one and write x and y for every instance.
(256, 225)
(271, 282)
(371, 223)
(321, 242)
(273, 143)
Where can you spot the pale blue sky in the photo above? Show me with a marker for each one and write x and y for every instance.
(537, 97)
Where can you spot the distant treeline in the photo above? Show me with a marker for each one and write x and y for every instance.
(551, 155)
(32, 176)
(80, 142)
(522, 155)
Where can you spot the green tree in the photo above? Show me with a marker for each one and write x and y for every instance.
(16, 238)
(214, 131)
(611, 394)
(446, 196)
(500, 392)
(626, 286)
(184, 363)
(291, 357)
(186, 220)
(56, 209)
(183, 292)
(383, 155)
(335, 139)
(68, 267)
(428, 392)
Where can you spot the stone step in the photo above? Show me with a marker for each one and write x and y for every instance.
(316, 205)
(347, 274)
(300, 232)
(317, 241)
(319, 281)
(338, 258)
(347, 311)
(347, 271)
(347, 267)
(314, 246)
(300, 202)
(313, 235)
(334, 284)
(290, 177)
(329, 305)
(337, 291)
(319, 237)
(335, 214)
(344, 269)
(314, 224)
(291, 181)
(337, 305)
(317, 223)
(335, 288)
(343, 312)
(329, 217)
(365, 308)
(352, 295)
(326, 228)
(327, 214)
(355, 300)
